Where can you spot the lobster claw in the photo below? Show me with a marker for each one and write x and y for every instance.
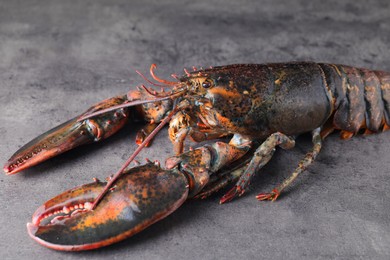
(140, 197)
(69, 135)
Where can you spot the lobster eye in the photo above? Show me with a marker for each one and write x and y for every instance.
(208, 83)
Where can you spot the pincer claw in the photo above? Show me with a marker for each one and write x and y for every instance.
(67, 136)
(142, 196)
(48, 145)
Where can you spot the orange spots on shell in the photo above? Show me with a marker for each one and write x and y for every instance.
(225, 121)
(346, 135)
(281, 77)
(326, 131)
(385, 86)
(224, 92)
(98, 217)
(368, 132)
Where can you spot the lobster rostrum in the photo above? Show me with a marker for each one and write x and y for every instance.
(269, 103)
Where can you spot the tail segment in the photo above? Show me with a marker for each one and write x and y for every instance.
(361, 97)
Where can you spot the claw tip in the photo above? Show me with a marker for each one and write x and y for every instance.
(31, 229)
(7, 169)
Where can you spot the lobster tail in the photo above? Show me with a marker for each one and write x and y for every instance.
(384, 78)
(361, 98)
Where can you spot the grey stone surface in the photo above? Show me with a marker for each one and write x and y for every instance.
(59, 57)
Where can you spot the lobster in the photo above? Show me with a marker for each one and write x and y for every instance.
(269, 103)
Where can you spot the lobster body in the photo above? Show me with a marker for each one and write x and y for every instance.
(294, 98)
(253, 100)
(269, 104)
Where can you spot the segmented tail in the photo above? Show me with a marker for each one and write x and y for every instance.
(361, 99)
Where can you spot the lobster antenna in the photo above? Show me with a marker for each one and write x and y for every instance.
(152, 68)
(169, 94)
(131, 158)
(128, 104)
(151, 82)
(153, 93)
(175, 76)
(186, 72)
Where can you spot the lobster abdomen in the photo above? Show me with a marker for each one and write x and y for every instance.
(361, 98)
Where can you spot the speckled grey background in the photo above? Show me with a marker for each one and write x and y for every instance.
(59, 57)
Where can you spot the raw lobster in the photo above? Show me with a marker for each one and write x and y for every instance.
(270, 103)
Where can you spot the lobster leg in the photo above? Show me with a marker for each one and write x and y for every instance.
(303, 164)
(261, 157)
(229, 174)
(144, 133)
(181, 127)
(222, 182)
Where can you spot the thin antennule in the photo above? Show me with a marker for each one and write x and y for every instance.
(175, 76)
(186, 72)
(152, 68)
(154, 93)
(132, 157)
(168, 94)
(149, 81)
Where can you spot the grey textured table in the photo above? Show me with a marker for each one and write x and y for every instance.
(59, 57)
